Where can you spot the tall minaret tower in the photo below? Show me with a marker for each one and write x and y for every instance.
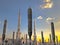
(29, 24)
(18, 30)
(4, 32)
(42, 37)
(53, 32)
(50, 37)
(35, 42)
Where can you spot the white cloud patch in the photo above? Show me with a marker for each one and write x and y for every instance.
(47, 4)
(47, 0)
(39, 17)
(49, 19)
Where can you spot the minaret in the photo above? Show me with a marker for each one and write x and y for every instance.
(56, 40)
(42, 37)
(35, 42)
(26, 39)
(53, 32)
(50, 37)
(18, 30)
(13, 37)
(4, 31)
(29, 24)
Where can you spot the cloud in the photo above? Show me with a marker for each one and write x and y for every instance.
(49, 19)
(39, 17)
(47, 0)
(47, 5)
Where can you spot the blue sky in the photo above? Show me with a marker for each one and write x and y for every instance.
(9, 10)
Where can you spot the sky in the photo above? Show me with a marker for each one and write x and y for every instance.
(44, 11)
